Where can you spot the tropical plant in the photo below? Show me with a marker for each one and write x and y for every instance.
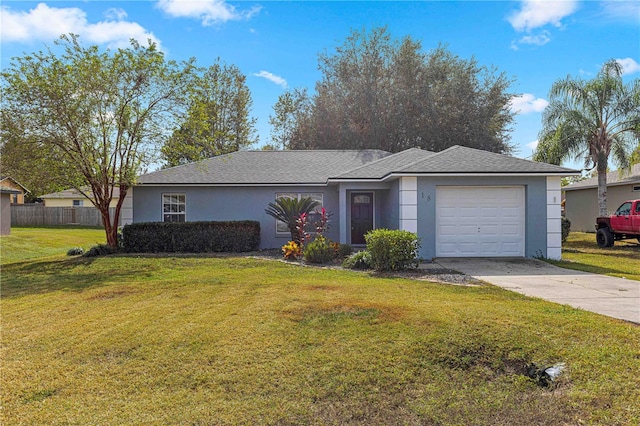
(288, 210)
(592, 121)
(291, 250)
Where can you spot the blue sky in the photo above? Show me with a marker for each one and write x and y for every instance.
(276, 43)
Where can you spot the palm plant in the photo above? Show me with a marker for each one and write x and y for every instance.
(592, 121)
(288, 210)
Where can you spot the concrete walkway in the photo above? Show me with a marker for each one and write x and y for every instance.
(614, 297)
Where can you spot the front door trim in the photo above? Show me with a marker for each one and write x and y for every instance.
(352, 195)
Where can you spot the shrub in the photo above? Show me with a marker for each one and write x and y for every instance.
(291, 250)
(100, 250)
(191, 237)
(358, 260)
(319, 251)
(76, 251)
(392, 250)
(341, 250)
(566, 228)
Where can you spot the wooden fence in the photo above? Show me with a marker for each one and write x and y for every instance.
(38, 214)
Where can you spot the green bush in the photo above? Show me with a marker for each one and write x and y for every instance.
(100, 250)
(566, 228)
(319, 250)
(76, 251)
(342, 250)
(392, 250)
(191, 237)
(358, 260)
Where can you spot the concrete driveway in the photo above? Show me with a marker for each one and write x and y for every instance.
(614, 297)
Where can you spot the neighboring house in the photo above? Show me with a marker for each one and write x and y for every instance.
(73, 198)
(16, 197)
(581, 206)
(461, 202)
(6, 196)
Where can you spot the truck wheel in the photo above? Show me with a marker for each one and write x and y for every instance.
(604, 237)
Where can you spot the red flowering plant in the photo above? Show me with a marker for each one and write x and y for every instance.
(302, 225)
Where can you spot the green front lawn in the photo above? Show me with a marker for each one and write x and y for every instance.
(232, 340)
(581, 252)
(31, 243)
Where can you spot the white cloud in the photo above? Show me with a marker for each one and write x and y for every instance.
(538, 13)
(209, 12)
(527, 103)
(115, 14)
(532, 145)
(272, 77)
(44, 23)
(621, 10)
(536, 40)
(629, 66)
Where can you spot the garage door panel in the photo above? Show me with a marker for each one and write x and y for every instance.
(511, 230)
(468, 213)
(480, 221)
(465, 230)
(448, 230)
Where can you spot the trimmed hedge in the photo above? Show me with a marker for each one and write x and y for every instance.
(191, 237)
(392, 250)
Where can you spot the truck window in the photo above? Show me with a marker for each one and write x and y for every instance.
(624, 209)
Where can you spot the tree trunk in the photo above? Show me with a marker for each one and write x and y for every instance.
(602, 190)
(110, 230)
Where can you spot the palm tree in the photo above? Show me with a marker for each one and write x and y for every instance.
(592, 121)
(288, 210)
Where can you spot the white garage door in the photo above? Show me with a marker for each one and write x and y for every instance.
(479, 221)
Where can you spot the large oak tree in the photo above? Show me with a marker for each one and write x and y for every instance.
(99, 114)
(378, 92)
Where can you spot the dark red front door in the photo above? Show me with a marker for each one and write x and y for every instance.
(361, 216)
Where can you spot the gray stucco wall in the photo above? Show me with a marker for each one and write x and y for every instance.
(535, 209)
(581, 207)
(230, 203)
(385, 212)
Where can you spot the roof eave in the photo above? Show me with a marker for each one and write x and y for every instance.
(568, 188)
(479, 174)
(230, 184)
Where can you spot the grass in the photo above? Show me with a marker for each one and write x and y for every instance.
(33, 243)
(232, 340)
(581, 252)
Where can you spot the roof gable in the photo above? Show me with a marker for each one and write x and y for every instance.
(383, 167)
(463, 160)
(5, 184)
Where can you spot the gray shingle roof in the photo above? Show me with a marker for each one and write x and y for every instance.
(319, 166)
(381, 168)
(266, 167)
(463, 160)
(73, 193)
(614, 178)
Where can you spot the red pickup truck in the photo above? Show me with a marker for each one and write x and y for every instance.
(623, 224)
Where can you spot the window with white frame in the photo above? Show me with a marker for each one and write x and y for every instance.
(174, 207)
(77, 203)
(281, 227)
